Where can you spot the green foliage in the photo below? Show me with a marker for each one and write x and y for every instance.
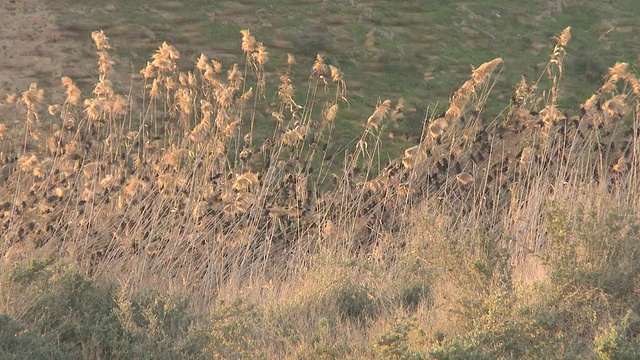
(60, 314)
(505, 327)
(414, 293)
(356, 302)
(18, 342)
(591, 251)
(234, 332)
(36, 269)
(157, 324)
(394, 344)
(67, 309)
(457, 351)
(620, 342)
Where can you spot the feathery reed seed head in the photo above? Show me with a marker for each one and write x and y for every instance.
(234, 75)
(261, 55)
(101, 40)
(169, 51)
(564, 37)
(436, 128)
(397, 114)
(336, 75)
(104, 88)
(73, 92)
(117, 105)
(319, 68)
(382, 109)
(331, 112)
(33, 96)
(203, 62)
(94, 108)
(105, 64)
(619, 69)
(148, 71)
(248, 41)
(53, 109)
(483, 72)
(11, 98)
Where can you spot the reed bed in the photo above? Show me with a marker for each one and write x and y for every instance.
(169, 187)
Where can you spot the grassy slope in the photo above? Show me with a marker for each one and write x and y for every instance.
(441, 39)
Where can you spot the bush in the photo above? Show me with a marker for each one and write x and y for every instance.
(18, 342)
(395, 343)
(61, 314)
(620, 341)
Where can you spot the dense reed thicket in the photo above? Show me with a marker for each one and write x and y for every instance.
(512, 237)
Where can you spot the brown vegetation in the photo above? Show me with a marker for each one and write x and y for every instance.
(175, 190)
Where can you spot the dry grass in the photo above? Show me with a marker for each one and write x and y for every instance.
(172, 190)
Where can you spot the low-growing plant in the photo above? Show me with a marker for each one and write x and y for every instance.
(620, 341)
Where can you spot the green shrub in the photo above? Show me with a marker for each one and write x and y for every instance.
(356, 302)
(507, 327)
(73, 315)
(61, 314)
(18, 342)
(413, 295)
(395, 344)
(620, 342)
(233, 332)
(595, 251)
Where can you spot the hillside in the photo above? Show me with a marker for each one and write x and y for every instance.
(412, 50)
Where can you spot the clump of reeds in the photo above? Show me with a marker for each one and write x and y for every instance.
(182, 188)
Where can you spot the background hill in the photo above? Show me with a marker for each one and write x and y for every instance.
(415, 50)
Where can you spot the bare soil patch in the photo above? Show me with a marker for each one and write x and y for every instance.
(34, 47)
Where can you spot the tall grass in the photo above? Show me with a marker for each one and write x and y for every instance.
(213, 184)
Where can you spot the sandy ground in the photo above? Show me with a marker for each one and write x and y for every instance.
(34, 48)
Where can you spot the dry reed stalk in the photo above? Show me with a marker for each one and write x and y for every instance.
(330, 113)
(73, 92)
(382, 110)
(286, 92)
(319, 68)
(248, 42)
(32, 98)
